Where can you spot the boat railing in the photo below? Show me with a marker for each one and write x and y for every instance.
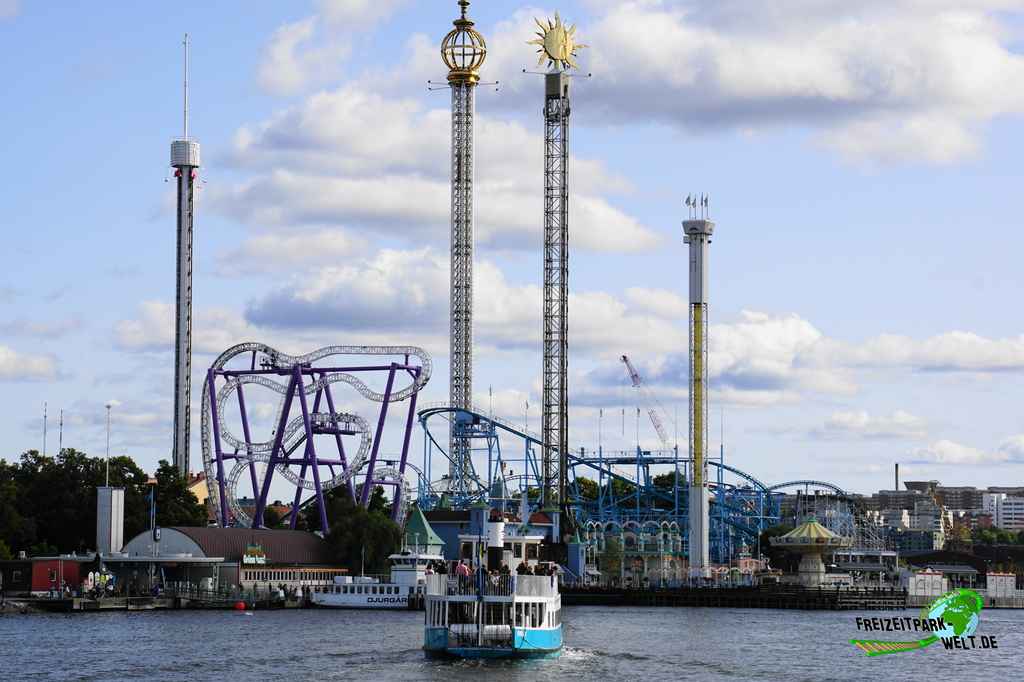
(536, 585)
(492, 585)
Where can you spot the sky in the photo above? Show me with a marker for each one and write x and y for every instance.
(861, 159)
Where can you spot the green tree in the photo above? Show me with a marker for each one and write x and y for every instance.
(176, 505)
(5, 552)
(587, 488)
(778, 557)
(354, 530)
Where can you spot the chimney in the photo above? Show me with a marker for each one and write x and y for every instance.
(897, 476)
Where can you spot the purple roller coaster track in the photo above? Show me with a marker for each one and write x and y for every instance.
(305, 380)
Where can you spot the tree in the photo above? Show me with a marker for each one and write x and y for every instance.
(176, 505)
(354, 530)
(587, 488)
(778, 557)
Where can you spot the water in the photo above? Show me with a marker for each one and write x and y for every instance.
(602, 643)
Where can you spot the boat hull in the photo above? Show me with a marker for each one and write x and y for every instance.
(526, 643)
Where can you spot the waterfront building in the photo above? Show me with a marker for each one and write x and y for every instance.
(190, 558)
(43, 576)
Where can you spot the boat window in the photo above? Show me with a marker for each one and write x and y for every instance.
(517, 550)
(531, 550)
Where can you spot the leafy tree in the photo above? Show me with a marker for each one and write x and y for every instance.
(176, 505)
(5, 551)
(354, 529)
(667, 481)
(778, 557)
(587, 488)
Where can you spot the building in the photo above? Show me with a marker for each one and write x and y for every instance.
(1010, 513)
(44, 575)
(959, 497)
(929, 515)
(223, 559)
(918, 540)
(197, 486)
(896, 518)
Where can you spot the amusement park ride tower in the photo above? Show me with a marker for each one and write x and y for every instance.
(697, 231)
(463, 51)
(557, 46)
(185, 160)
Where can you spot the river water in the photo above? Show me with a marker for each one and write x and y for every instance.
(601, 643)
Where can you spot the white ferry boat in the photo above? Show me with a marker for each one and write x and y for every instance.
(491, 613)
(407, 583)
(483, 616)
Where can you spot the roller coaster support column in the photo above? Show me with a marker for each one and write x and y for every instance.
(364, 497)
(399, 491)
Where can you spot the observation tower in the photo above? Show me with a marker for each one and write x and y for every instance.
(697, 233)
(185, 160)
(463, 51)
(557, 46)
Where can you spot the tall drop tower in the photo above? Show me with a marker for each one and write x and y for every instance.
(557, 46)
(463, 51)
(697, 233)
(185, 160)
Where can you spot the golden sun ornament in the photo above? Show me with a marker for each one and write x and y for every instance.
(557, 44)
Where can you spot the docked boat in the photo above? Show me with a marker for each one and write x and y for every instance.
(403, 588)
(488, 616)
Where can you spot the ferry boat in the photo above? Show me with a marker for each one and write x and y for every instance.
(404, 590)
(485, 616)
(491, 613)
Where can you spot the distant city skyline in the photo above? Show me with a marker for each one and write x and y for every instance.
(862, 163)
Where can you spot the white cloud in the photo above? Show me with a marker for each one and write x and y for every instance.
(266, 252)
(955, 351)
(899, 80)
(357, 14)
(40, 329)
(18, 366)
(311, 51)
(328, 171)
(858, 424)
(948, 452)
(213, 330)
(1013, 448)
(290, 62)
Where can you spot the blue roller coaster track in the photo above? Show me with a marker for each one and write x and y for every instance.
(607, 489)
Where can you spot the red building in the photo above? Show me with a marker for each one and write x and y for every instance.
(37, 576)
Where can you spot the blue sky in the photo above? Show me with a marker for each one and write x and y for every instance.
(862, 163)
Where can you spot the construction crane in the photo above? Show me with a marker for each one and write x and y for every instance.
(648, 399)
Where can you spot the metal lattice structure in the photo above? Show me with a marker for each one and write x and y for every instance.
(185, 160)
(555, 398)
(627, 493)
(698, 232)
(306, 415)
(463, 51)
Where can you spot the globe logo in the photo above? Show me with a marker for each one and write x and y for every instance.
(959, 610)
(951, 619)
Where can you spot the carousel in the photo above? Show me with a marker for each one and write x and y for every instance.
(812, 541)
